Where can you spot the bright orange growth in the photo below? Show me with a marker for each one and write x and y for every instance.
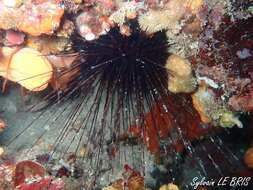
(27, 67)
(248, 158)
(45, 23)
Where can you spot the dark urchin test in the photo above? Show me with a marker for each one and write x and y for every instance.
(121, 78)
(131, 64)
(125, 75)
(121, 73)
